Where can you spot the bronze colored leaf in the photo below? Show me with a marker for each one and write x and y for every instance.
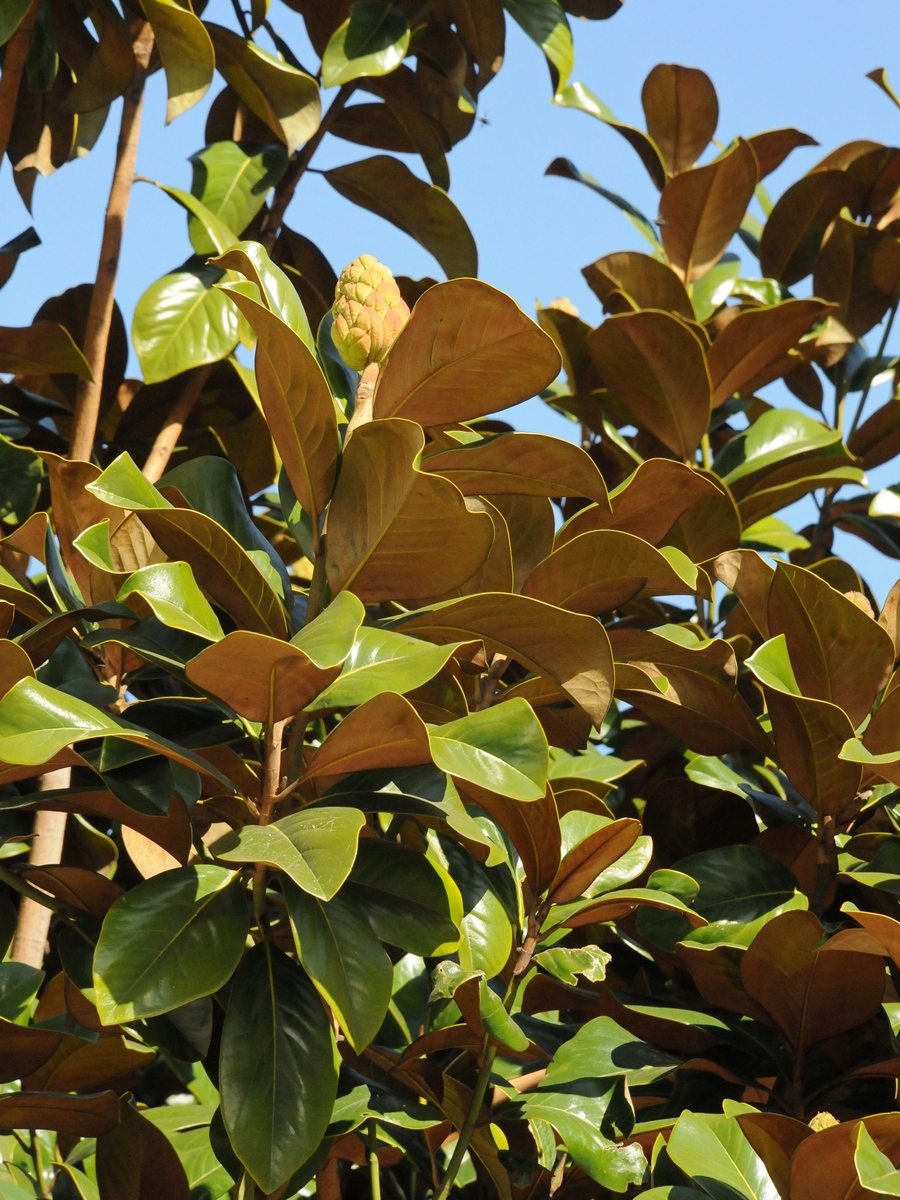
(82, 889)
(386, 731)
(41, 349)
(812, 989)
(689, 690)
(648, 503)
(838, 653)
(710, 526)
(394, 532)
(14, 665)
(823, 1166)
(809, 736)
(496, 572)
(387, 187)
(80, 1116)
(845, 274)
(467, 350)
(772, 147)
(403, 101)
(74, 510)
(599, 571)
(682, 112)
(793, 234)
(532, 828)
(530, 524)
(751, 350)
(569, 332)
(24, 1049)
(136, 1161)
(298, 406)
(749, 576)
(275, 679)
(716, 971)
(480, 25)
(646, 281)
(222, 568)
(110, 68)
(701, 209)
(877, 439)
(566, 647)
(589, 858)
(655, 366)
(530, 464)
(882, 927)
(87, 1066)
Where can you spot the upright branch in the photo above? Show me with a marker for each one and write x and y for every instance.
(87, 405)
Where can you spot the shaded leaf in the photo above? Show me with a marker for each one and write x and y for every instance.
(386, 187)
(278, 1067)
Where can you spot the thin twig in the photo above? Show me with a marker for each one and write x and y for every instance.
(167, 438)
(873, 370)
(284, 192)
(271, 784)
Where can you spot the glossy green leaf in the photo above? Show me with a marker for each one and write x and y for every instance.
(578, 1112)
(546, 24)
(567, 964)
(206, 1176)
(774, 436)
(172, 593)
(332, 635)
(275, 289)
(215, 231)
(37, 721)
(387, 187)
(711, 292)
(603, 1048)
(771, 533)
(344, 959)
(737, 883)
(403, 898)
(503, 749)
(771, 664)
(232, 181)
(278, 1067)
(712, 1150)
(183, 321)
(381, 661)
(237, 583)
(372, 41)
(186, 51)
(875, 1170)
(315, 848)
(487, 934)
(168, 941)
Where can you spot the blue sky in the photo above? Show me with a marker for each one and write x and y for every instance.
(774, 63)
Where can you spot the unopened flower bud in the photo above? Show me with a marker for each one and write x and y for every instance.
(368, 311)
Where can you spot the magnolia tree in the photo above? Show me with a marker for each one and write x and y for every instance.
(395, 804)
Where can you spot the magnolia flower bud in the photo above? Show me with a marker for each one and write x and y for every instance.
(368, 311)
